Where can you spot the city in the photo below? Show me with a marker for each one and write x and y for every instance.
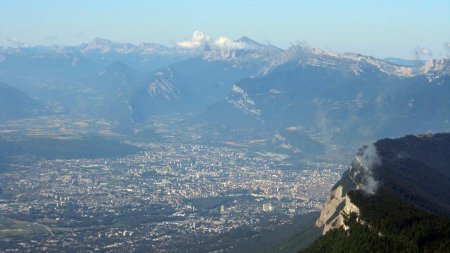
(170, 197)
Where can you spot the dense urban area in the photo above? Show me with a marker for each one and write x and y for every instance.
(171, 196)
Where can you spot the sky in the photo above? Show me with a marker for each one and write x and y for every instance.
(382, 28)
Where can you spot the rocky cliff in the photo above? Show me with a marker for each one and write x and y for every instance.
(358, 176)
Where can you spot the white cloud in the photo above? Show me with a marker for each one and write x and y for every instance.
(224, 42)
(198, 39)
(421, 52)
(371, 160)
(370, 157)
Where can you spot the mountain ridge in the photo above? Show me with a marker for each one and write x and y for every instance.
(14, 104)
(407, 208)
(339, 100)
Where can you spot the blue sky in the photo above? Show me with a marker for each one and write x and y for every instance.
(377, 27)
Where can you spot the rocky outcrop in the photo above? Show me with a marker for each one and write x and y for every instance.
(357, 177)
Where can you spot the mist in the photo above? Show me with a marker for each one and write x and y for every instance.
(370, 160)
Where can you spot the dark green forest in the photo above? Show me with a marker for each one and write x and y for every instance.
(410, 212)
(386, 224)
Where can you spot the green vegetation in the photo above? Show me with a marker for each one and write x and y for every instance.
(417, 171)
(87, 147)
(410, 211)
(50, 148)
(386, 225)
(11, 228)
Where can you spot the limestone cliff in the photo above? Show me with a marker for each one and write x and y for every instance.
(358, 176)
(398, 194)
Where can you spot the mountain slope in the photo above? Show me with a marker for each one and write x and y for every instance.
(395, 197)
(15, 104)
(198, 82)
(345, 98)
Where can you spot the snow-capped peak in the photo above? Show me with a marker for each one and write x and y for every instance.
(105, 46)
(356, 63)
(433, 69)
(442, 65)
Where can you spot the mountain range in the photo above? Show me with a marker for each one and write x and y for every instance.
(297, 97)
(342, 97)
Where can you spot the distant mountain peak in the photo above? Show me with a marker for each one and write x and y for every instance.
(152, 48)
(101, 41)
(99, 44)
(355, 63)
(434, 69)
(104, 46)
(248, 41)
(244, 48)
